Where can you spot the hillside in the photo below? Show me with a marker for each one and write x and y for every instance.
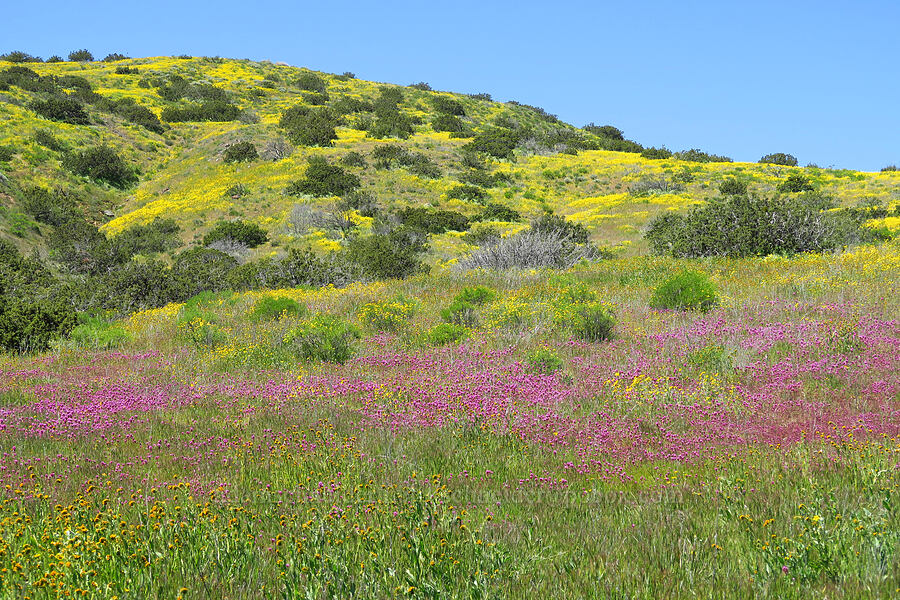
(182, 174)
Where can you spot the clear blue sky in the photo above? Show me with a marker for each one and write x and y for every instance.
(820, 80)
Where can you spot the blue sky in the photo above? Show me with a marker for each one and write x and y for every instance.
(820, 80)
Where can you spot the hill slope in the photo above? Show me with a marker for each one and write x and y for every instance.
(183, 175)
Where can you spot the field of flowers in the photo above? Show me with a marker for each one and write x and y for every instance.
(751, 451)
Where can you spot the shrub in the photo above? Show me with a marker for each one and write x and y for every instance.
(48, 140)
(796, 182)
(211, 110)
(7, 153)
(448, 106)
(389, 120)
(656, 153)
(448, 123)
(476, 295)
(469, 193)
(61, 108)
(30, 326)
(592, 322)
(199, 269)
(127, 71)
(695, 155)
(160, 235)
(362, 202)
(135, 113)
(310, 82)
(51, 208)
(779, 158)
(276, 150)
(269, 308)
(446, 333)
(323, 179)
(460, 312)
(390, 155)
(733, 187)
(544, 361)
(531, 250)
(748, 225)
(80, 56)
(324, 338)
(246, 233)
(17, 56)
(433, 221)
(550, 223)
(494, 211)
(101, 163)
(240, 152)
(391, 315)
(346, 105)
(113, 57)
(98, 333)
(354, 159)
(389, 256)
(498, 142)
(481, 235)
(689, 290)
(889, 169)
(422, 86)
(605, 131)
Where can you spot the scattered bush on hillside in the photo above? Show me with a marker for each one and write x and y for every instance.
(159, 235)
(30, 326)
(753, 226)
(649, 185)
(324, 338)
(364, 203)
(17, 56)
(421, 86)
(48, 140)
(61, 108)
(469, 193)
(605, 131)
(549, 223)
(779, 158)
(448, 106)
(494, 211)
(688, 290)
(733, 187)
(433, 220)
(696, 155)
(323, 179)
(240, 152)
(656, 153)
(245, 233)
(273, 308)
(389, 119)
(51, 208)
(7, 153)
(889, 169)
(796, 182)
(482, 235)
(200, 269)
(101, 163)
(393, 255)
(310, 82)
(482, 96)
(129, 109)
(212, 110)
(592, 322)
(114, 57)
(346, 105)
(56, 58)
(448, 123)
(530, 249)
(446, 333)
(80, 56)
(80, 248)
(544, 361)
(127, 71)
(354, 159)
(498, 142)
(136, 286)
(388, 156)
(309, 127)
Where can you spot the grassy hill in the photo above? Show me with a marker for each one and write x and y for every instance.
(183, 176)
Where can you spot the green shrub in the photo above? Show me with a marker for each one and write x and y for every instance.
(30, 326)
(390, 315)
(796, 182)
(779, 158)
(446, 333)
(61, 108)
(269, 308)
(421, 86)
(323, 179)
(390, 155)
(689, 290)
(448, 123)
(211, 110)
(469, 193)
(460, 312)
(134, 113)
(605, 131)
(127, 71)
(80, 56)
(98, 333)
(592, 322)
(101, 163)
(240, 152)
(354, 159)
(7, 153)
(51, 208)
(696, 155)
(448, 106)
(889, 169)
(432, 220)
(656, 153)
(733, 187)
(389, 120)
(394, 255)
(311, 82)
(246, 233)
(17, 56)
(309, 126)
(324, 338)
(479, 235)
(113, 57)
(548, 223)
(544, 361)
(160, 235)
(48, 140)
(476, 295)
(498, 142)
(494, 211)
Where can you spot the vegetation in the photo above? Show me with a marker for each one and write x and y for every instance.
(779, 158)
(689, 290)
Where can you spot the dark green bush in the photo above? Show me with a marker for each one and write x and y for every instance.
(446, 333)
(593, 322)
(494, 211)
(137, 286)
(480, 235)
(127, 71)
(323, 179)
(469, 193)
(544, 361)
(461, 313)
(656, 153)
(733, 187)
(324, 338)
(48, 140)
(433, 220)
(241, 152)
(80, 56)
(796, 182)
(200, 269)
(549, 223)
(133, 112)
(61, 108)
(311, 82)
(51, 208)
(211, 110)
(101, 163)
(498, 142)
(389, 256)
(448, 106)
(17, 56)
(889, 169)
(605, 131)
(309, 127)
(346, 105)
(448, 123)
(160, 235)
(56, 58)
(354, 159)
(269, 308)
(113, 57)
(30, 326)
(363, 202)
(389, 119)
(245, 233)
(688, 290)
(7, 153)
(779, 158)
(695, 155)
(477, 294)
(79, 247)
(421, 86)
